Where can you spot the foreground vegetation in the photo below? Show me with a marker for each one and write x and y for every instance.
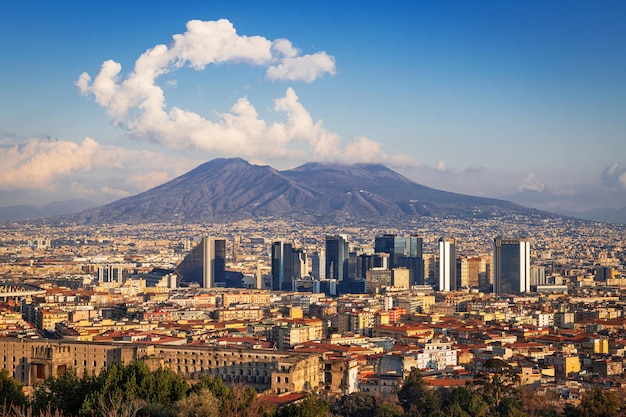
(134, 390)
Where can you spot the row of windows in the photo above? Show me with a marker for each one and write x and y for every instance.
(95, 363)
(241, 355)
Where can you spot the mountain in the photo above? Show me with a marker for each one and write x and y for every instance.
(604, 215)
(30, 212)
(231, 189)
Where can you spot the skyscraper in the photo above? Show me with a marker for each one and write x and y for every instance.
(511, 265)
(205, 264)
(336, 258)
(318, 264)
(391, 244)
(282, 266)
(447, 264)
(414, 246)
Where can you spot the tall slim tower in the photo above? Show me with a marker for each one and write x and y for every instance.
(282, 266)
(414, 245)
(337, 253)
(214, 261)
(511, 265)
(318, 264)
(205, 264)
(447, 264)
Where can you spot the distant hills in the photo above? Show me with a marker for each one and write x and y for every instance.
(27, 212)
(232, 189)
(605, 215)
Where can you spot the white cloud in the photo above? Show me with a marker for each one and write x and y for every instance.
(306, 68)
(138, 104)
(147, 180)
(531, 183)
(614, 177)
(45, 164)
(35, 163)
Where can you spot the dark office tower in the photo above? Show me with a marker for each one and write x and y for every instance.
(391, 244)
(447, 264)
(205, 264)
(282, 266)
(318, 265)
(414, 246)
(299, 263)
(353, 264)
(415, 265)
(367, 261)
(511, 265)
(336, 258)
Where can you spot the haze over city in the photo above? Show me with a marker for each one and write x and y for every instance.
(514, 100)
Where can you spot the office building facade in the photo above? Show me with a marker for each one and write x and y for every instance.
(205, 264)
(282, 266)
(337, 253)
(447, 264)
(511, 265)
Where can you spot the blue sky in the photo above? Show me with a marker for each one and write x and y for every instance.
(518, 100)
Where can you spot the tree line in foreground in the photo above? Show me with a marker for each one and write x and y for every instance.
(133, 390)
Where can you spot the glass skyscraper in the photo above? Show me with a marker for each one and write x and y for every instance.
(282, 266)
(511, 265)
(337, 253)
(391, 244)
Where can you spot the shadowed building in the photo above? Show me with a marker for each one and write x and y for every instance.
(336, 258)
(205, 264)
(282, 266)
(511, 265)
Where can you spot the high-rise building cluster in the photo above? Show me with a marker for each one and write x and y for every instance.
(393, 261)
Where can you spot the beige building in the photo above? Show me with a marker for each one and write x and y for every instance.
(31, 361)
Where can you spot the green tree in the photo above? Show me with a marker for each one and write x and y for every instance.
(123, 384)
(596, 402)
(200, 403)
(11, 393)
(64, 393)
(415, 397)
(464, 401)
(510, 407)
(215, 384)
(387, 409)
(498, 383)
(313, 406)
(356, 404)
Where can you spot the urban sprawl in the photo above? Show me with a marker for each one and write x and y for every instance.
(289, 308)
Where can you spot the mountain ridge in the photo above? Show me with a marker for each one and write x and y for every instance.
(227, 189)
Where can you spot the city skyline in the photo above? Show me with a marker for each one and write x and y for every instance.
(516, 101)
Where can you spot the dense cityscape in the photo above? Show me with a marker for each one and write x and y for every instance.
(336, 311)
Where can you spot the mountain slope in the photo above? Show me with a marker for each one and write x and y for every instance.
(230, 189)
(222, 188)
(30, 212)
(389, 193)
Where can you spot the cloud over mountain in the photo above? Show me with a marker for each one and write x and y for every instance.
(137, 103)
(46, 164)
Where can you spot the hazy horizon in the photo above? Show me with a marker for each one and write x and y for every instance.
(518, 101)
